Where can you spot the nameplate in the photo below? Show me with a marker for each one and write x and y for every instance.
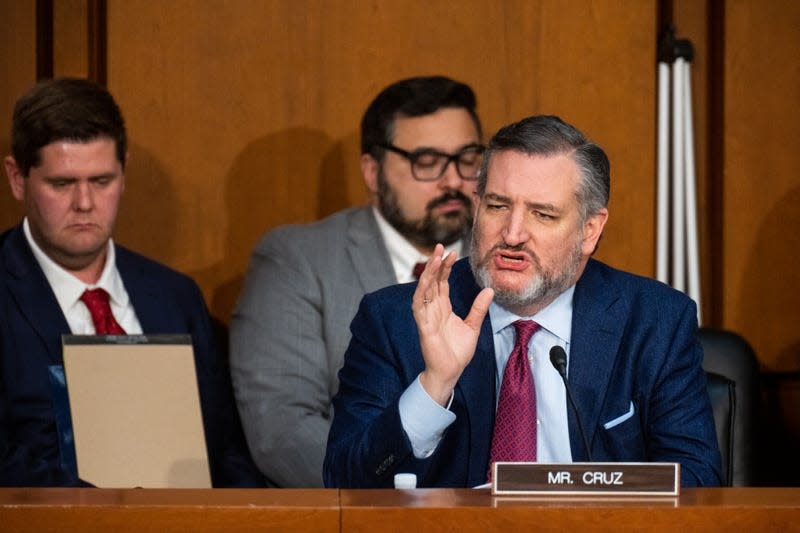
(559, 479)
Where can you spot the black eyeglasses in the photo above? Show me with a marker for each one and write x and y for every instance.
(428, 164)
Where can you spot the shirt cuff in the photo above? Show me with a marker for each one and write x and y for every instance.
(424, 420)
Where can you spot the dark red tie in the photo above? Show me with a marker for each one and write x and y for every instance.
(514, 436)
(418, 268)
(104, 322)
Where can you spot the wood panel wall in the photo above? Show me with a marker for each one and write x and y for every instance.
(244, 115)
(17, 73)
(762, 178)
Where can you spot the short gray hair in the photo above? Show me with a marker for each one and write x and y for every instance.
(548, 135)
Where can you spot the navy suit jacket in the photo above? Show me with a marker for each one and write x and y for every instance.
(31, 325)
(633, 343)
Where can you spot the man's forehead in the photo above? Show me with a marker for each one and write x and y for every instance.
(558, 166)
(68, 144)
(97, 153)
(540, 174)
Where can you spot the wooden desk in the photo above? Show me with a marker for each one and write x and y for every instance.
(413, 511)
(464, 511)
(166, 510)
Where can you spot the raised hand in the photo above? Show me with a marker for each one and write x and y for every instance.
(447, 342)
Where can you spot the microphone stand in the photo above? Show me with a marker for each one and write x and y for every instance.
(558, 357)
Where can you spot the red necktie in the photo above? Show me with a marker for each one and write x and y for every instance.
(418, 268)
(514, 436)
(104, 322)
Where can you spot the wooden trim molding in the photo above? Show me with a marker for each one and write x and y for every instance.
(44, 39)
(716, 162)
(98, 41)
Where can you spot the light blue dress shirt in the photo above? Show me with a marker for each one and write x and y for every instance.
(425, 421)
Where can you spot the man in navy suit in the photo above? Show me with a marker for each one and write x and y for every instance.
(421, 382)
(67, 169)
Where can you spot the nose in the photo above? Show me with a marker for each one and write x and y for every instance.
(450, 180)
(515, 232)
(83, 199)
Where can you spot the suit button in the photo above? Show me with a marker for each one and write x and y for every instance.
(385, 464)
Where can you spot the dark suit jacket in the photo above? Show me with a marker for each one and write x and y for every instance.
(633, 340)
(31, 325)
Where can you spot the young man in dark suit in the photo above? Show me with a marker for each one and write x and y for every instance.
(69, 151)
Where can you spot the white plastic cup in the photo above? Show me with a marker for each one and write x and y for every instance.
(405, 481)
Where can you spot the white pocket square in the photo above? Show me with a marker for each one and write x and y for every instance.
(620, 419)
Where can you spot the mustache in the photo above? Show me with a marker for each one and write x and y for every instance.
(449, 196)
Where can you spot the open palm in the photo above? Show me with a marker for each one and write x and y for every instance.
(447, 342)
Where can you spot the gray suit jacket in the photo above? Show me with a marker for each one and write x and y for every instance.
(290, 330)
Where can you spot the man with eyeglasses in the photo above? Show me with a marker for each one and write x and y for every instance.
(421, 153)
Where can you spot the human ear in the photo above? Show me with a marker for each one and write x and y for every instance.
(369, 171)
(15, 178)
(592, 230)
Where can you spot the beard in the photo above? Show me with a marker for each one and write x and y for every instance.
(543, 287)
(428, 231)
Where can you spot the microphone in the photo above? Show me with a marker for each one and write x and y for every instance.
(558, 357)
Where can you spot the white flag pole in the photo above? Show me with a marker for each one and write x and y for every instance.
(677, 249)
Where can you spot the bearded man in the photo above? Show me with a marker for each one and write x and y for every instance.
(444, 377)
(421, 152)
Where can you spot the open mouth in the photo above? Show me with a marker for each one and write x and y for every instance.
(506, 259)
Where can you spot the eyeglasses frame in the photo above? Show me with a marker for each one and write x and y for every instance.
(451, 158)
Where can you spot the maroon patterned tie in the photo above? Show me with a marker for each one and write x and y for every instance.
(418, 268)
(514, 436)
(104, 322)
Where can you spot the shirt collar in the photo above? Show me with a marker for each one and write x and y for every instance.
(401, 252)
(68, 288)
(555, 318)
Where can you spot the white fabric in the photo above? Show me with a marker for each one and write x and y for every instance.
(402, 253)
(68, 290)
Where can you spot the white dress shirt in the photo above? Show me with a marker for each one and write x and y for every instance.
(402, 253)
(425, 421)
(68, 290)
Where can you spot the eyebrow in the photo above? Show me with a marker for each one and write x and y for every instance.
(539, 206)
(75, 178)
(474, 144)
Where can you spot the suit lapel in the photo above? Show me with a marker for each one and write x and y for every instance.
(477, 382)
(477, 386)
(466, 243)
(597, 333)
(32, 293)
(149, 301)
(367, 251)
